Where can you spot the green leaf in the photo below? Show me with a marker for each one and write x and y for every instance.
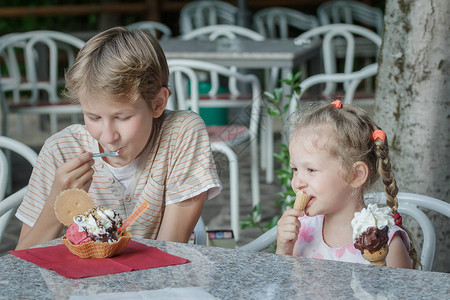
(274, 112)
(269, 95)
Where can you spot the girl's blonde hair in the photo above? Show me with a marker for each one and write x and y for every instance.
(351, 141)
(119, 62)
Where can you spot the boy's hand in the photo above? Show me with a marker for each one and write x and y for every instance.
(287, 231)
(75, 173)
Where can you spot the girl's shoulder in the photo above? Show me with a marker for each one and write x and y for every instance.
(396, 230)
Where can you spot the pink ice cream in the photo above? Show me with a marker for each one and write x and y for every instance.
(76, 237)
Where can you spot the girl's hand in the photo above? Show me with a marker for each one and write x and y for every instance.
(287, 231)
(75, 173)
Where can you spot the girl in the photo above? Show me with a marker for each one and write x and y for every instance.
(120, 79)
(335, 158)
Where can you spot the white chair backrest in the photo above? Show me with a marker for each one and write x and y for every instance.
(8, 205)
(157, 29)
(198, 14)
(214, 32)
(350, 12)
(43, 52)
(186, 72)
(275, 22)
(351, 79)
(332, 36)
(409, 204)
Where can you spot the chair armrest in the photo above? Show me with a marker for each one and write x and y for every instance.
(263, 241)
(12, 201)
(200, 232)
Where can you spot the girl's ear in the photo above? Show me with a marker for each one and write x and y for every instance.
(160, 102)
(360, 174)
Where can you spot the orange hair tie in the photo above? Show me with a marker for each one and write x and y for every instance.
(337, 103)
(379, 134)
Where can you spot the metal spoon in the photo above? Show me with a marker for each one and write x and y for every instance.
(106, 153)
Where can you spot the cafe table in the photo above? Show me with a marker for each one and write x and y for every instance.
(230, 274)
(243, 53)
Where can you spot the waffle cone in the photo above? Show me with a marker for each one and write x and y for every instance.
(377, 258)
(301, 199)
(99, 249)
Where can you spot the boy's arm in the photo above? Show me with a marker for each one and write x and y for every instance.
(75, 173)
(180, 219)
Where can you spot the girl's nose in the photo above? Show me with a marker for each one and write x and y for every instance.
(298, 183)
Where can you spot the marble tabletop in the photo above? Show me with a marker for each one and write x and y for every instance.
(231, 274)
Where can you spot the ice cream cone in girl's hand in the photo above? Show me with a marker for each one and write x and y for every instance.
(377, 258)
(301, 199)
(370, 233)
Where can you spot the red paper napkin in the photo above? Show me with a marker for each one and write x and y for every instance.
(137, 256)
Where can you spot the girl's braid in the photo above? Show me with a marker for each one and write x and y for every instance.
(391, 189)
(387, 176)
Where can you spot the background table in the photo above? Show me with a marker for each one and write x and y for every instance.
(242, 53)
(231, 274)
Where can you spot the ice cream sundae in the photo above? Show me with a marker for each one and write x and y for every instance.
(93, 231)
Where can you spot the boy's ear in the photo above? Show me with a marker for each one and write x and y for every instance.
(360, 174)
(160, 102)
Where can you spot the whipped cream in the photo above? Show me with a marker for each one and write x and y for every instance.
(101, 222)
(372, 216)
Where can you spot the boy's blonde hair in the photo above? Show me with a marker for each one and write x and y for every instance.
(349, 141)
(119, 62)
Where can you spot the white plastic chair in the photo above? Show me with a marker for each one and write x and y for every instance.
(282, 23)
(409, 204)
(275, 22)
(9, 204)
(184, 81)
(158, 30)
(230, 35)
(334, 35)
(23, 84)
(199, 14)
(213, 32)
(351, 12)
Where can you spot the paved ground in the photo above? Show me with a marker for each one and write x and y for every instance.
(216, 212)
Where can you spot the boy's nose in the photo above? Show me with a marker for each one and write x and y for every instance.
(109, 134)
